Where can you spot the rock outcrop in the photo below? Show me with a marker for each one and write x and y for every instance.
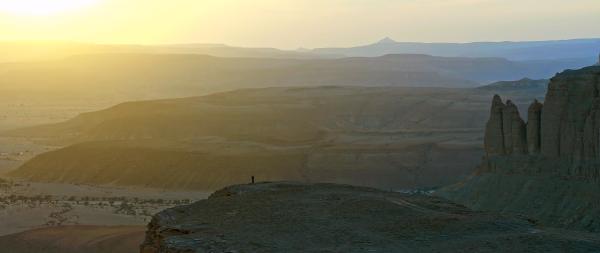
(569, 101)
(494, 134)
(534, 127)
(556, 177)
(505, 131)
(296, 217)
(566, 128)
(516, 136)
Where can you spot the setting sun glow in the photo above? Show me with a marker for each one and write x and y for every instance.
(42, 7)
(268, 23)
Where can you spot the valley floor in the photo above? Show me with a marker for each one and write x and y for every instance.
(14, 151)
(26, 205)
(75, 239)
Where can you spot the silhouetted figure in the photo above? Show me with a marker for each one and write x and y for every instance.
(252, 179)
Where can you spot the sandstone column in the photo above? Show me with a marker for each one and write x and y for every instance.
(494, 137)
(534, 127)
(508, 117)
(515, 131)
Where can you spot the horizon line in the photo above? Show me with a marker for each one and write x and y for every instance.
(388, 40)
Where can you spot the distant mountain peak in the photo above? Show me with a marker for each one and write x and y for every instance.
(386, 40)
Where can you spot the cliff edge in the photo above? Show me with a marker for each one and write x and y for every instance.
(549, 167)
(299, 217)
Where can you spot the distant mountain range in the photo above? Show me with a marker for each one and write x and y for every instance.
(523, 84)
(42, 51)
(385, 63)
(581, 51)
(576, 49)
(143, 76)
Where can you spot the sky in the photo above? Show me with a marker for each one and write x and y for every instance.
(291, 24)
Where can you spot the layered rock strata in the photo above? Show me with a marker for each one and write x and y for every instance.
(550, 171)
(506, 132)
(565, 129)
(533, 127)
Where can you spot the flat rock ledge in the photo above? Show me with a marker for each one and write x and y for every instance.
(302, 217)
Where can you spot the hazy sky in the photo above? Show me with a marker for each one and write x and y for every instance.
(295, 23)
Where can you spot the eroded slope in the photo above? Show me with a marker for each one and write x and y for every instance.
(385, 137)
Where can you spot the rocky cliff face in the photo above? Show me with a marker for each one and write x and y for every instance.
(565, 129)
(534, 123)
(505, 132)
(549, 168)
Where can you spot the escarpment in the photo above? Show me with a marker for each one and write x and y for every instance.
(548, 168)
(570, 106)
(565, 129)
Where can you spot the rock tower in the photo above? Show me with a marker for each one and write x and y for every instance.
(549, 172)
(566, 128)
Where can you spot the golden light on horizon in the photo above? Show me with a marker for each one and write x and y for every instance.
(43, 7)
(289, 24)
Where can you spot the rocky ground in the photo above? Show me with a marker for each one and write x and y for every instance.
(296, 217)
(75, 239)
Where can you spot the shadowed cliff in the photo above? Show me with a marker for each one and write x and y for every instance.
(548, 168)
